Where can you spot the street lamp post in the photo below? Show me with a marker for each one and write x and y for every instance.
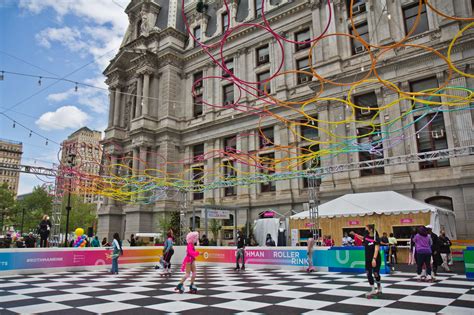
(22, 219)
(70, 162)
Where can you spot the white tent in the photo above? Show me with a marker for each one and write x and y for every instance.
(388, 203)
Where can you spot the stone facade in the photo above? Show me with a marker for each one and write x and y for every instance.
(152, 112)
(84, 144)
(10, 154)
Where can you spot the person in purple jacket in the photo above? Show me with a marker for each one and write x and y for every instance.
(423, 243)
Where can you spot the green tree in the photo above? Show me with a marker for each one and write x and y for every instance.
(215, 226)
(83, 215)
(7, 204)
(33, 207)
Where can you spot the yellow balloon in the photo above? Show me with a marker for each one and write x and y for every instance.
(79, 231)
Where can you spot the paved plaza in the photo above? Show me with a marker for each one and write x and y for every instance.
(223, 291)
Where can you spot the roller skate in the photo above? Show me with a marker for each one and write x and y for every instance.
(373, 294)
(243, 268)
(237, 268)
(179, 288)
(310, 269)
(192, 289)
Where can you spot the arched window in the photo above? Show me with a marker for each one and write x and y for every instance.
(139, 28)
(229, 221)
(441, 201)
(197, 222)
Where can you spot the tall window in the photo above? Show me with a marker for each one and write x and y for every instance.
(368, 100)
(358, 6)
(309, 130)
(266, 137)
(303, 36)
(261, 77)
(225, 21)
(229, 174)
(371, 148)
(228, 93)
(230, 144)
(198, 181)
(409, 15)
(303, 64)
(267, 162)
(197, 99)
(197, 222)
(197, 35)
(441, 201)
(263, 55)
(230, 66)
(363, 31)
(431, 136)
(258, 7)
(139, 28)
(310, 162)
(423, 85)
(198, 152)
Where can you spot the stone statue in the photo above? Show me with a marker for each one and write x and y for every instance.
(145, 26)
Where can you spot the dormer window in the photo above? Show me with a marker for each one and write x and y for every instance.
(225, 21)
(197, 35)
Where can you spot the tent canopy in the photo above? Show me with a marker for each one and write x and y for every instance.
(384, 202)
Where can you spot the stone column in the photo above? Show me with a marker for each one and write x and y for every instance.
(111, 107)
(146, 93)
(113, 170)
(135, 162)
(117, 99)
(143, 158)
(138, 108)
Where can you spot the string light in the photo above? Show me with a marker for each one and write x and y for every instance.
(30, 134)
(39, 81)
(75, 88)
(2, 75)
(46, 141)
(14, 124)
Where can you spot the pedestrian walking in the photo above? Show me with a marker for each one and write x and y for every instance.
(422, 242)
(240, 251)
(117, 252)
(373, 261)
(445, 250)
(435, 245)
(310, 254)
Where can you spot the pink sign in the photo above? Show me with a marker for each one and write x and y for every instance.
(406, 220)
(309, 224)
(354, 222)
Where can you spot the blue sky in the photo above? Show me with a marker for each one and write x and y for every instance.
(55, 38)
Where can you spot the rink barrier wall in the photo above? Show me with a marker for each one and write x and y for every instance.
(469, 262)
(331, 259)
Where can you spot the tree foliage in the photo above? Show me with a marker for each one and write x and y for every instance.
(215, 226)
(83, 215)
(33, 206)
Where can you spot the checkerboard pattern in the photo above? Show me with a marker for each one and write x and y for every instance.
(223, 291)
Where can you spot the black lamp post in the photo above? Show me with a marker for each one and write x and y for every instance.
(71, 164)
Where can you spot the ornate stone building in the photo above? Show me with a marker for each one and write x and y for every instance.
(10, 154)
(154, 117)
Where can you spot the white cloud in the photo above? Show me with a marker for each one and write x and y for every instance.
(94, 98)
(69, 37)
(63, 118)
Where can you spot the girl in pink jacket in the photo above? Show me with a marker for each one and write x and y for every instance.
(189, 264)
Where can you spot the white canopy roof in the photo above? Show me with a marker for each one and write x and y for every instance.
(384, 202)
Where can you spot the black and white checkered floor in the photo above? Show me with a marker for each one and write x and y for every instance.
(223, 291)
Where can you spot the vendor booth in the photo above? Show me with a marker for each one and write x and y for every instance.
(390, 211)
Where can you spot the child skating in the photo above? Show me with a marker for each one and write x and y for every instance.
(189, 264)
(373, 261)
(310, 254)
